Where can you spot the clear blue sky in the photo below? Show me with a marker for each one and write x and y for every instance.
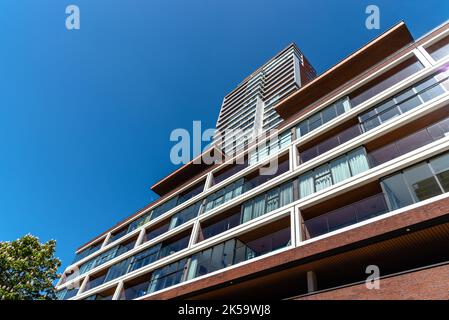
(85, 116)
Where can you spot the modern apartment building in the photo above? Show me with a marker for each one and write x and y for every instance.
(362, 184)
(249, 109)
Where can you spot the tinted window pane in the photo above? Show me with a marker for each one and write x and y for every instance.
(329, 113)
(414, 141)
(385, 106)
(397, 192)
(340, 106)
(303, 129)
(389, 114)
(383, 154)
(421, 182)
(404, 95)
(315, 121)
(410, 104)
(432, 93)
(371, 124)
(441, 167)
(309, 154)
(440, 49)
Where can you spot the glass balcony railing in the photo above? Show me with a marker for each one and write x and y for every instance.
(243, 185)
(406, 100)
(359, 211)
(220, 256)
(409, 143)
(331, 143)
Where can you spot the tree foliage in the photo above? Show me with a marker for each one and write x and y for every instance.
(28, 269)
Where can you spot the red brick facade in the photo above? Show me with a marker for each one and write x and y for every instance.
(427, 284)
(400, 221)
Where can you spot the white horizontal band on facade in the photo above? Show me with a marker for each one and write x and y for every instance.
(373, 174)
(365, 105)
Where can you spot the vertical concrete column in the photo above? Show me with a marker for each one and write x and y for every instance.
(195, 230)
(106, 239)
(118, 290)
(208, 182)
(83, 284)
(139, 240)
(426, 55)
(311, 282)
(422, 58)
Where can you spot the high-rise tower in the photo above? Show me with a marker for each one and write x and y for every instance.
(248, 110)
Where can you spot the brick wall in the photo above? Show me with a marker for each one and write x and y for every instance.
(432, 283)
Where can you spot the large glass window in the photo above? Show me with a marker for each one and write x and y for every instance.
(238, 250)
(397, 192)
(417, 183)
(409, 143)
(330, 143)
(440, 49)
(135, 288)
(266, 202)
(440, 166)
(270, 147)
(104, 295)
(404, 101)
(167, 276)
(88, 251)
(327, 114)
(422, 182)
(106, 256)
(210, 230)
(139, 222)
(345, 216)
(152, 233)
(117, 270)
(386, 80)
(245, 184)
(145, 257)
(340, 169)
(185, 215)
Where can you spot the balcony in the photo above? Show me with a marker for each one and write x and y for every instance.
(348, 215)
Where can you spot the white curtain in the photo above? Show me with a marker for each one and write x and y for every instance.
(306, 184)
(154, 281)
(273, 200)
(340, 169)
(323, 178)
(173, 222)
(192, 267)
(285, 139)
(358, 161)
(247, 210)
(253, 157)
(259, 206)
(346, 105)
(286, 194)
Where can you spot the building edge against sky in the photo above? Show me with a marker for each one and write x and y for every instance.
(363, 176)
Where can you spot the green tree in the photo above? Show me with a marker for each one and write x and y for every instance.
(28, 269)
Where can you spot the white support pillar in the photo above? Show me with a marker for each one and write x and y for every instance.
(106, 240)
(292, 157)
(140, 238)
(83, 284)
(195, 230)
(294, 240)
(298, 226)
(118, 291)
(426, 55)
(311, 282)
(422, 58)
(208, 182)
